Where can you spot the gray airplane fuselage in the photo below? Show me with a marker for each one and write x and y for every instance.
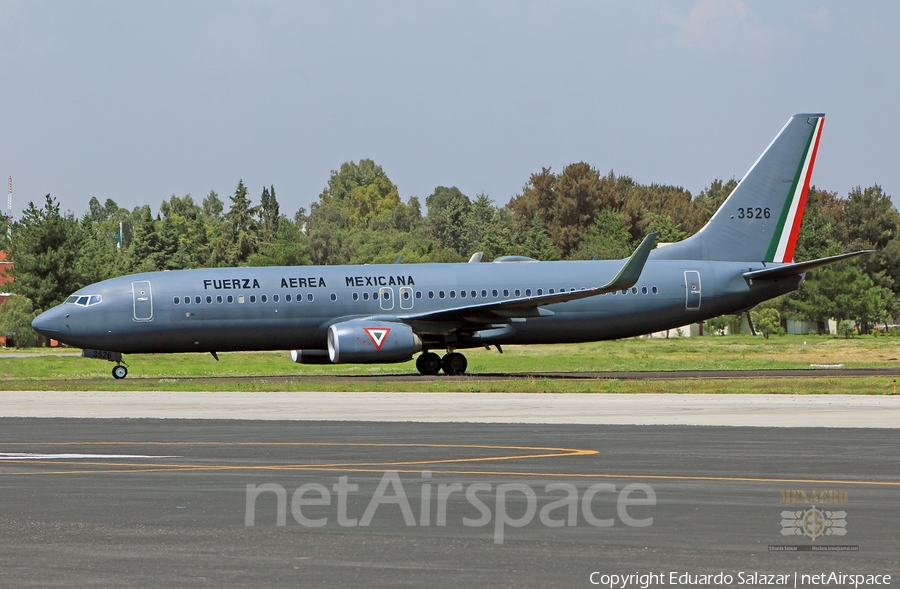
(742, 256)
(278, 308)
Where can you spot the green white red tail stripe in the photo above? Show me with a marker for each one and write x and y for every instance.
(784, 241)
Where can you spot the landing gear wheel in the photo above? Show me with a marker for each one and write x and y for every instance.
(454, 363)
(119, 372)
(428, 363)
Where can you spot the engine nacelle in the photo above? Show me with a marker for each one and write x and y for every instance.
(310, 356)
(371, 342)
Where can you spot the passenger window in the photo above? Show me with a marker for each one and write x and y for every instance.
(230, 299)
(252, 298)
(274, 298)
(241, 299)
(495, 293)
(484, 294)
(441, 294)
(474, 294)
(418, 294)
(654, 290)
(518, 292)
(430, 294)
(405, 295)
(550, 291)
(287, 298)
(643, 290)
(633, 290)
(176, 300)
(386, 295)
(197, 300)
(299, 297)
(452, 294)
(219, 299)
(356, 296)
(263, 298)
(208, 299)
(333, 296)
(527, 292)
(462, 294)
(365, 296)
(624, 291)
(505, 292)
(374, 296)
(310, 297)
(540, 291)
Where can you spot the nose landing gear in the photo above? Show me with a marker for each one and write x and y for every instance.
(119, 372)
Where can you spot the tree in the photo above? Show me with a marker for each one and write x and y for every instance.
(269, 217)
(44, 250)
(712, 197)
(567, 204)
(16, 316)
(537, 243)
(239, 235)
(288, 247)
(767, 321)
(607, 238)
(448, 213)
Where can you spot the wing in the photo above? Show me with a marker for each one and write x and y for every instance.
(508, 309)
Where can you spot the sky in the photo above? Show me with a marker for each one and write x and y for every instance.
(139, 101)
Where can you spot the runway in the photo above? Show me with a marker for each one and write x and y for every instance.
(763, 410)
(167, 503)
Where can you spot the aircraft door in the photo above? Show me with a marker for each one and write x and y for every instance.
(692, 289)
(406, 298)
(386, 295)
(143, 300)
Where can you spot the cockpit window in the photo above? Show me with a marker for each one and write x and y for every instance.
(84, 300)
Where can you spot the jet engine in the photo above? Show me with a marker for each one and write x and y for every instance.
(371, 342)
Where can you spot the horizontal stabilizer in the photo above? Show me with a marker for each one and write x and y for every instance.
(794, 269)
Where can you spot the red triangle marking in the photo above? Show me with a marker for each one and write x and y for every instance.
(378, 335)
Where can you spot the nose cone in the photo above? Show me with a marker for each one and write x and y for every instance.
(50, 323)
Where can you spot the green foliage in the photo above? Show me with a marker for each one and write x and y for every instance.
(766, 321)
(289, 246)
(717, 325)
(712, 197)
(16, 315)
(607, 238)
(845, 328)
(45, 252)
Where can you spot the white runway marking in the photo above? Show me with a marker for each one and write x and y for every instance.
(33, 456)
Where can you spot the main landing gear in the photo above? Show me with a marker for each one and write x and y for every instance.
(429, 363)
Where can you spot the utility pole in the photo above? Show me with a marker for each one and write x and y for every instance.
(9, 209)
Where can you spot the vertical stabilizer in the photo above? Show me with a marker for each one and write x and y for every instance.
(760, 220)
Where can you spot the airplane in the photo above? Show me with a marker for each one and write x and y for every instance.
(389, 313)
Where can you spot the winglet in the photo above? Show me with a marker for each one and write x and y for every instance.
(631, 271)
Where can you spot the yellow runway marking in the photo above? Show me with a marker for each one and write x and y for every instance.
(402, 466)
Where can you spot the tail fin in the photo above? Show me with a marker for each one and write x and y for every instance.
(760, 220)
